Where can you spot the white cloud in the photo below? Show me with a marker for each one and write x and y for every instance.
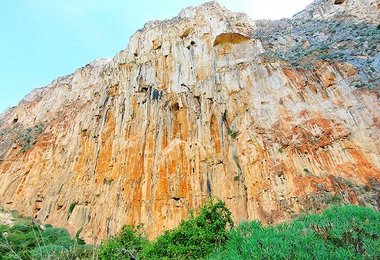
(266, 9)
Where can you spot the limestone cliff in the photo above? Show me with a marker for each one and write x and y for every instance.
(277, 118)
(355, 10)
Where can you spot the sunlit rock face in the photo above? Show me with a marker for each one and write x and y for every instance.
(355, 10)
(207, 104)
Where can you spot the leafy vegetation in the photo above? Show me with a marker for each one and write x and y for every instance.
(71, 209)
(345, 232)
(128, 244)
(348, 232)
(28, 137)
(193, 239)
(233, 133)
(26, 239)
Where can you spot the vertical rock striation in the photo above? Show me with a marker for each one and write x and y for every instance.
(198, 106)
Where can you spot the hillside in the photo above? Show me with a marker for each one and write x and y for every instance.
(276, 118)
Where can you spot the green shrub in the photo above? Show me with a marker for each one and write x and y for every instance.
(336, 199)
(27, 240)
(79, 240)
(71, 209)
(192, 239)
(128, 244)
(47, 252)
(233, 133)
(78, 252)
(28, 137)
(196, 237)
(348, 232)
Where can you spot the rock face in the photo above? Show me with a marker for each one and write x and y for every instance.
(208, 104)
(355, 10)
(6, 217)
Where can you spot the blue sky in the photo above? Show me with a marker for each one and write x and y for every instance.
(41, 40)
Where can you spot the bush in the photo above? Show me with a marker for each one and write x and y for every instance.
(348, 232)
(196, 237)
(27, 240)
(128, 244)
(71, 209)
(233, 133)
(27, 137)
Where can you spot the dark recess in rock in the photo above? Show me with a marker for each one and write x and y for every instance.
(339, 2)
